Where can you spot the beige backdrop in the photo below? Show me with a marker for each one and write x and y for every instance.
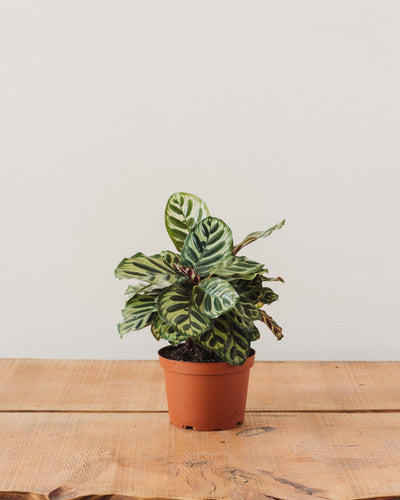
(266, 109)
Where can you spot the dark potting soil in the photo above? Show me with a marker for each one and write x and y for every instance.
(192, 353)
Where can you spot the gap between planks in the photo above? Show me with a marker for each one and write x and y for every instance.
(371, 410)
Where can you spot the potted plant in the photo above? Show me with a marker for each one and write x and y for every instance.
(204, 301)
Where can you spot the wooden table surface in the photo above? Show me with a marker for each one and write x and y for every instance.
(326, 430)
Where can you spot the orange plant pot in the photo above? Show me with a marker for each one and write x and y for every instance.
(206, 396)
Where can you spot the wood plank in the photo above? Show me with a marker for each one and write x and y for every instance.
(120, 385)
(289, 456)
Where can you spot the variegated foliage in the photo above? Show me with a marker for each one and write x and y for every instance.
(183, 211)
(206, 244)
(178, 307)
(147, 288)
(137, 313)
(255, 291)
(227, 340)
(160, 329)
(215, 297)
(245, 313)
(231, 267)
(154, 269)
(207, 293)
(256, 236)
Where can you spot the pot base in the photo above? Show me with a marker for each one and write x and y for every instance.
(202, 427)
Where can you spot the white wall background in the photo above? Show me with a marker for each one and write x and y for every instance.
(266, 109)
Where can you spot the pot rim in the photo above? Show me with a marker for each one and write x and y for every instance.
(196, 368)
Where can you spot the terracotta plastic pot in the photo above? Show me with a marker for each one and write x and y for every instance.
(206, 396)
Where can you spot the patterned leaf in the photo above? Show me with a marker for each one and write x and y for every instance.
(167, 332)
(251, 288)
(254, 334)
(137, 313)
(255, 291)
(228, 341)
(256, 235)
(272, 325)
(154, 269)
(268, 296)
(207, 243)
(140, 305)
(148, 288)
(155, 333)
(177, 307)
(216, 296)
(244, 314)
(133, 323)
(183, 211)
(133, 290)
(237, 267)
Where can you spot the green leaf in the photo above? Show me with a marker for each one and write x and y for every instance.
(183, 211)
(244, 314)
(255, 291)
(154, 269)
(237, 267)
(133, 323)
(140, 305)
(268, 296)
(256, 236)
(228, 341)
(216, 296)
(251, 288)
(148, 288)
(177, 307)
(207, 243)
(133, 290)
(137, 313)
(167, 332)
(155, 333)
(254, 334)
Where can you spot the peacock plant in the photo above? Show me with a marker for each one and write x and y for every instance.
(206, 293)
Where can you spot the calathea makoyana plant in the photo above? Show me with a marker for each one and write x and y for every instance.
(206, 292)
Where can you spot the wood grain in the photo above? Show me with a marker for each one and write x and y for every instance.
(59, 495)
(96, 385)
(289, 456)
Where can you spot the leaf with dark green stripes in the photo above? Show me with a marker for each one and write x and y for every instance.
(251, 288)
(207, 243)
(254, 334)
(154, 269)
(139, 305)
(137, 313)
(215, 296)
(177, 307)
(155, 333)
(133, 290)
(255, 291)
(232, 267)
(167, 332)
(147, 288)
(133, 323)
(244, 314)
(183, 211)
(256, 236)
(228, 341)
(268, 296)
